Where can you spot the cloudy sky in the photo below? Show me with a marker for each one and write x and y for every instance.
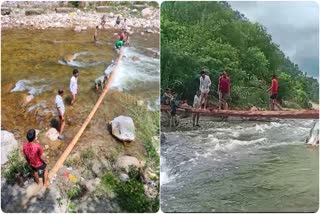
(293, 25)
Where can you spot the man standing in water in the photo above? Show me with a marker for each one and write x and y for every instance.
(35, 158)
(196, 106)
(205, 84)
(61, 110)
(224, 90)
(273, 90)
(74, 85)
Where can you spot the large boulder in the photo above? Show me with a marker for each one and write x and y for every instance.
(146, 12)
(123, 128)
(8, 144)
(52, 134)
(125, 162)
(34, 11)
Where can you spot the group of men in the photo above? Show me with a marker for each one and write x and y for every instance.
(200, 100)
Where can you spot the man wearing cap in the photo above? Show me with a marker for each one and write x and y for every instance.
(205, 84)
(60, 108)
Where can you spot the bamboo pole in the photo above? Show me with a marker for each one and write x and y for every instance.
(75, 139)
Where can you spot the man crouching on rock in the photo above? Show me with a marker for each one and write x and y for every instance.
(34, 156)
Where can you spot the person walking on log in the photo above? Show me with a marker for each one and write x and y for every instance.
(35, 158)
(61, 110)
(196, 106)
(205, 84)
(74, 85)
(224, 90)
(273, 90)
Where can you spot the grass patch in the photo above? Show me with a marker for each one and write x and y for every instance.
(87, 154)
(69, 162)
(16, 165)
(130, 195)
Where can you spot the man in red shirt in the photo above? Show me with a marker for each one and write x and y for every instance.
(122, 36)
(224, 90)
(33, 154)
(273, 90)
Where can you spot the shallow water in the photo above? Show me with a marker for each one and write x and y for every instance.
(32, 62)
(240, 167)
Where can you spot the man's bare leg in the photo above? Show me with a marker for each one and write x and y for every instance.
(36, 177)
(46, 179)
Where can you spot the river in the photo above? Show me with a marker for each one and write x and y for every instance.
(32, 63)
(240, 167)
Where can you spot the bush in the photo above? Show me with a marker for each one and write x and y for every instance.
(16, 164)
(74, 192)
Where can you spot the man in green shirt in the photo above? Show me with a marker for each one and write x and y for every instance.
(118, 44)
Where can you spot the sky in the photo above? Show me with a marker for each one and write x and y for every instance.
(294, 25)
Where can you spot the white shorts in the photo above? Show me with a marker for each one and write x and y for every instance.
(74, 91)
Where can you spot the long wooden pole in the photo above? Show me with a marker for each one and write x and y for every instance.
(75, 139)
(299, 114)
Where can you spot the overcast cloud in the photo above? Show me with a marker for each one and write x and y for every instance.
(293, 25)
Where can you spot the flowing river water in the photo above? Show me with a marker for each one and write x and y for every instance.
(32, 63)
(240, 167)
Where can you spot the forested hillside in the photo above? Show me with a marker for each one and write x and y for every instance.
(196, 35)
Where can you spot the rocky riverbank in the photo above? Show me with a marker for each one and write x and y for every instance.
(54, 15)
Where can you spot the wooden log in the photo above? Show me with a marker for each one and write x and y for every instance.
(67, 151)
(299, 114)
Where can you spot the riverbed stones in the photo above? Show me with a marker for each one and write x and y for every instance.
(8, 144)
(124, 162)
(77, 29)
(146, 12)
(5, 11)
(123, 128)
(52, 134)
(34, 11)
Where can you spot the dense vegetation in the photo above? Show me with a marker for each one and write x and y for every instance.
(196, 35)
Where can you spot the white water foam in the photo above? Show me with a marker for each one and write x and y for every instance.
(132, 74)
(31, 86)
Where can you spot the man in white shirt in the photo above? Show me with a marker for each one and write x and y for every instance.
(205, 84)
(60, 108)
(74, 85)
(196, 106)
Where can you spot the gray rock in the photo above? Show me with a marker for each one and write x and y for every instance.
(101, 9)
(34, 11)
(123, 128)
(148, 31)
(133, 11)
(123, 177)
(8, 144)
(125, 162)
(64, 10)
(77, 29)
